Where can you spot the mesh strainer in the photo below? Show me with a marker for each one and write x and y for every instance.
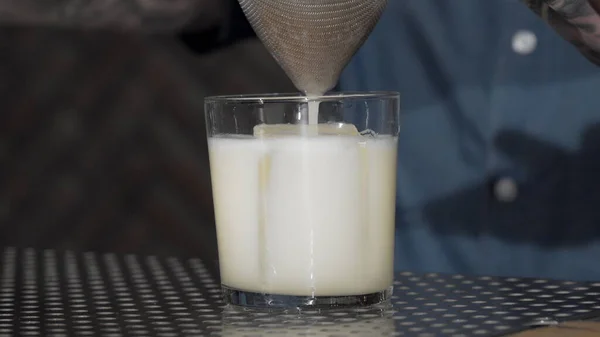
(313, 40)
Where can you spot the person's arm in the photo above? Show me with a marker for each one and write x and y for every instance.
(578, 21)
(141, 15)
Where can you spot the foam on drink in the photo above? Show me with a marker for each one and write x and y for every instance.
(305, 213)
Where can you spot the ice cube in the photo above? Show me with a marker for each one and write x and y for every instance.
(329, 129)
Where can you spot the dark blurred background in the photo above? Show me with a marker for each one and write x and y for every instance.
(102, 137)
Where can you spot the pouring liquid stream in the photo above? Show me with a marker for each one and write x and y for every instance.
(313, 112)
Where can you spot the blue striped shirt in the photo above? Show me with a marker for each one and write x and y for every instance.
(499, 154)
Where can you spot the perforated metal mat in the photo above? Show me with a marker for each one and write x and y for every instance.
(48, 293)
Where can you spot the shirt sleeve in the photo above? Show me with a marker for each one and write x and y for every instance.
(141, 15)
(577, 21)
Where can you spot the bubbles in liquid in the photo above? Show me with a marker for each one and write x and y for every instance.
(368, 133)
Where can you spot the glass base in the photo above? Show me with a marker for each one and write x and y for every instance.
(257, 300)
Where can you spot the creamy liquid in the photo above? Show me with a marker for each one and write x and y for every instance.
(313, 112)
(305, 216)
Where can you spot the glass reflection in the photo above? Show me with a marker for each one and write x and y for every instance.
(373, 321)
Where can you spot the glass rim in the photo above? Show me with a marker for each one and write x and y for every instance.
(301, 98)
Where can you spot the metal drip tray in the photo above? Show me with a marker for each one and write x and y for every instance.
(50, 293)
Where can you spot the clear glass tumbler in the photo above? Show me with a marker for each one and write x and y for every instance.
(304, 203)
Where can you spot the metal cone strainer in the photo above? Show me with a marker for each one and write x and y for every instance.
(313, 40)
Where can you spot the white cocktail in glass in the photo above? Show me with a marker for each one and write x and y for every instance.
(304, 211)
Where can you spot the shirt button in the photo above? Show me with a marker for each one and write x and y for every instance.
(524, 42)
(506, 190)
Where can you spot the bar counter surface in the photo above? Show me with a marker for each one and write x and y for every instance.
(52, 293)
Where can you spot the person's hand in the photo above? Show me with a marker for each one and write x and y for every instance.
(578, 21)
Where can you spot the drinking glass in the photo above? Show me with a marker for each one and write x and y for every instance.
(304, 202)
